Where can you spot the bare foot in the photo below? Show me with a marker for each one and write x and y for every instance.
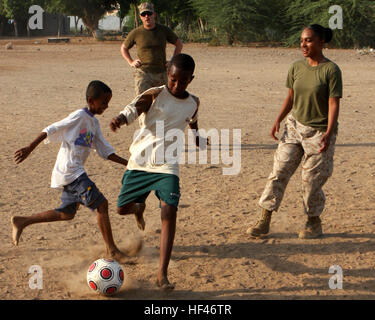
(164, 284)
(118, 255)
(16, 229)
(140, 208)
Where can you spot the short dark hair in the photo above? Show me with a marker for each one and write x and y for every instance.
(325, 34)
(184, 62)
(95, 89)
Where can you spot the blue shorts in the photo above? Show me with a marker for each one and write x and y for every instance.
(81, 191)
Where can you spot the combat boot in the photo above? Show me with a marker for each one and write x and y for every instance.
(313, 229)
(263, 225)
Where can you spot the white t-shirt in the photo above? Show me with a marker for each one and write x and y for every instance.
(155, 146)
(78, 132)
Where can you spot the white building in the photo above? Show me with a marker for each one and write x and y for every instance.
(110, 22)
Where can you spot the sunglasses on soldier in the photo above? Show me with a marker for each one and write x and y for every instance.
(146, 13)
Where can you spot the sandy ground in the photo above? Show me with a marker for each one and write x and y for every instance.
(213, 258)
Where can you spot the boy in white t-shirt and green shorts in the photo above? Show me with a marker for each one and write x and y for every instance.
(174, 108)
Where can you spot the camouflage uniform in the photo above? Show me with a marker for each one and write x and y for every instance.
(146, 80)
(300, 143)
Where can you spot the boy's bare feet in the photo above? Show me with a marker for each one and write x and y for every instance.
(118, 255)
(140, 208)
(164, 284)
(17, 228)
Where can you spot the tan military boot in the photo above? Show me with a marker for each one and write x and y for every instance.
(263, 225)
(313, 229)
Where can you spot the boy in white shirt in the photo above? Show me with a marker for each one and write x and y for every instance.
(78, 133)
(175, 108)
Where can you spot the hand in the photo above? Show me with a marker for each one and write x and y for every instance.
(136, 63)
(22, 154)
(325, 142)
(115, 124)
(275, 129)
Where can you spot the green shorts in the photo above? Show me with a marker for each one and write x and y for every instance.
(137, 185)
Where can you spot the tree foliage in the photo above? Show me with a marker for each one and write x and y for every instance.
(15, 9)
(3, 19)
(358, 21)
(235, 20)
(123, 7)
(18, 11)
(225, 21)
(93, 10)
(90, 11)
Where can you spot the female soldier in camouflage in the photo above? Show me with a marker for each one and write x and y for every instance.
(315, 89)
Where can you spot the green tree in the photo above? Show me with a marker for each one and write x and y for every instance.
(93, 11)
(89, 11)
(134, 6)
(123, 7)
(18, 11)
(174, 12)
(235, 20)
(3, 19)
(358, 21)
(61, 8)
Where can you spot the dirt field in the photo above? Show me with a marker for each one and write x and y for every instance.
(213, 258)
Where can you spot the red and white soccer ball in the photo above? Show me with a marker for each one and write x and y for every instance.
(105, 276)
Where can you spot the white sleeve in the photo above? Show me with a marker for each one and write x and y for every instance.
(101, 145)
(130, 111)
(55, 131)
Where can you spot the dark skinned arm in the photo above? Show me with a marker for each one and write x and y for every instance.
(194, 126)
(21, 154)
(143, 105)
(115, 158)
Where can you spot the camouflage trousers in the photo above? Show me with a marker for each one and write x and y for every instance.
(299, 144)
(146, 80)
